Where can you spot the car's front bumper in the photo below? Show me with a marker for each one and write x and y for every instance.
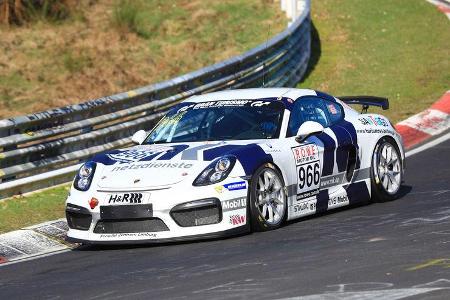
(233, 219)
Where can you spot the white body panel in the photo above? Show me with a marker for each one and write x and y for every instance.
(168, 183)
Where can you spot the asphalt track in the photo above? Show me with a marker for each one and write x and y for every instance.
(379, 251)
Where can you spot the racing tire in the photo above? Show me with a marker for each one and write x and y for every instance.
(387, 171)
(267, 197)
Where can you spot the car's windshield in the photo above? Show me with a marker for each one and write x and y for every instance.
(219, 120)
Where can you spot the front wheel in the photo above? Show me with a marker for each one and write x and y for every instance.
(386, 175)
(268, 204)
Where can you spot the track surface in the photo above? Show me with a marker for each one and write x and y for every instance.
(391, 250)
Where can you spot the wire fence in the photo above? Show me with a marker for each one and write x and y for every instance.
(43, 149)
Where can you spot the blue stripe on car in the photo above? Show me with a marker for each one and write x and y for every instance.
(322, 201)
(357, 192)
(328, 154)
(176, 150)
(352, 131)
(344, 142)
(250, 156)
(325, 96)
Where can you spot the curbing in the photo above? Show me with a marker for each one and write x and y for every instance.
(431, 122)
(442, 5)
(49, 237)
(34, 241)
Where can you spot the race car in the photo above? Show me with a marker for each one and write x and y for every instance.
(237, 161)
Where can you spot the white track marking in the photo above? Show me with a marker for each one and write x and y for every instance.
(428, 145)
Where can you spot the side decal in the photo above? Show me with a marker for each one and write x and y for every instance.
(328, 154)
(250, 156)
(322, 201)
(357, 192)
(177, 149)
(308, 170)
(344, 142)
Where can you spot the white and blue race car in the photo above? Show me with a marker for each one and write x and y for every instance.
(234, 161)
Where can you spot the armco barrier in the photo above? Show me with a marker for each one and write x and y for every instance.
(45, 148)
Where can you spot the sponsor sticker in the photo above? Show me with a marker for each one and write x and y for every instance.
(338, 201)
(237, 219)
(308, 170)
(127, 198)
(306, 153)
(135, 155)
(332, 109)
(235, 186)
(304, 207)
(128, 235)
(153, 165)
(234, 204)
(375, 121)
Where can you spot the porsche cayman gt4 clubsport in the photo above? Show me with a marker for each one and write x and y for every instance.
(234, 161)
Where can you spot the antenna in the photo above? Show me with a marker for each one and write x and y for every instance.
(264, 63)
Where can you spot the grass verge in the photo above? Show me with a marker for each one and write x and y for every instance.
(19, 212)
(397, 49)
(111, 46)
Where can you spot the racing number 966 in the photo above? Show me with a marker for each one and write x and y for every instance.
(309, 175)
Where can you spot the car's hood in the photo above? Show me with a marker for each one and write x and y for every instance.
(148, 174)
(158, 166)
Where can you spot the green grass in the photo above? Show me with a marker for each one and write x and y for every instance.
(399, 49)
(16, 213)
(109, 46)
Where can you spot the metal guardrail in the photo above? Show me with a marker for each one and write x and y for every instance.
(46, 148)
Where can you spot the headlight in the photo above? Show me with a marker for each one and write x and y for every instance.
(84, 176)
(217, 171)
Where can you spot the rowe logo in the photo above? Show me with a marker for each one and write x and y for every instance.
(237, 219)
(126, 198)
(234, 204)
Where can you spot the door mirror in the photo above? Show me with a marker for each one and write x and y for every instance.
(307, 129)
(139, 137)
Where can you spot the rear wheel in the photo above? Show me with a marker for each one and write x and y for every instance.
(386, 175)
(268, 203)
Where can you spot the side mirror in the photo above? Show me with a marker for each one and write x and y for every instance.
(139, 137)
(307, 129)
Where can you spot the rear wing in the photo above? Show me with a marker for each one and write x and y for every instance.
(366, 101)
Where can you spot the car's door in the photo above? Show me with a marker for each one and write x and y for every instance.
(312, 156)
(324, 161)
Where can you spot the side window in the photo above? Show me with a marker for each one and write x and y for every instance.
(307, 109)
(335, 111)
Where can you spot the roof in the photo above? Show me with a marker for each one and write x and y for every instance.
(255, 93)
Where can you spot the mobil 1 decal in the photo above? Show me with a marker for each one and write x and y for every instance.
(308, 170)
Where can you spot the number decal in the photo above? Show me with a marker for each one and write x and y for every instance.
(309, 174)
(308, 170)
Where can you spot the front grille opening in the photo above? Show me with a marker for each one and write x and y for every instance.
(78, 221)
(130, 226)
(198, 216)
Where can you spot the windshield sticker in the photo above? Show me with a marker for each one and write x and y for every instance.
(226, 103)
(172, 120)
